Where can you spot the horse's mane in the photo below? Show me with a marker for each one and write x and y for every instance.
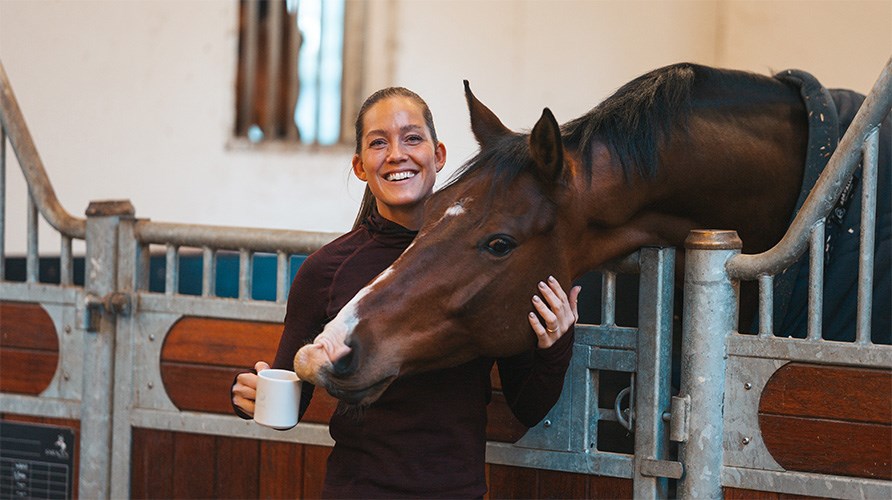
(633, 122)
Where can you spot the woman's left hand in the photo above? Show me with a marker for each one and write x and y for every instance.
(557, 310)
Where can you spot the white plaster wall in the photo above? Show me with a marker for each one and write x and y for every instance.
(134, 100)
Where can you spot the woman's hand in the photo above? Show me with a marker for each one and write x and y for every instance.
(558, 311)
(244, 392)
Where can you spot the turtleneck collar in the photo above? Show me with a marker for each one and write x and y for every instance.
(386, 230)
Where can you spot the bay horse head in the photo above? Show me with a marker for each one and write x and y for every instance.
(552, 202)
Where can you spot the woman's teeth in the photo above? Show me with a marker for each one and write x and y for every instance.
(398, 176)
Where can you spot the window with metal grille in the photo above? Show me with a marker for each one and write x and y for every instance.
(291, 84)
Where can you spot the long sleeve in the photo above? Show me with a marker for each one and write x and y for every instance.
(533, 381)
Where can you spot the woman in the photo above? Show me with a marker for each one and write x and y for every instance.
(425, 436)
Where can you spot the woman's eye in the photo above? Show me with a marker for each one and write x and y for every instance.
(500, 245)
(414, 139)
(377, 143)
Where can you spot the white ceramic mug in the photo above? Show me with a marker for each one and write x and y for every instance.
(278, 399)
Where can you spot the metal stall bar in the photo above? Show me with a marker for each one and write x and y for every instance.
(32, 167)
(868, 230)
(710, 316)
(2, 203)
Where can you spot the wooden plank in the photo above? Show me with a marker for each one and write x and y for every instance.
(738, 494)
(26, 371)
(609, 487)
(151, 467)
(199, 388)
(237, 468)
(27, 325)
(315, 464)
(831, 392)
(221, 342)
(512, 482)
(556, 484)
(281, 470)
(829, 446)
(193, 466)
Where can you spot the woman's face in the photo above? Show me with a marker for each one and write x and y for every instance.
(398, 159)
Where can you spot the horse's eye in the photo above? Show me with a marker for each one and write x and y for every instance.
(499, 245)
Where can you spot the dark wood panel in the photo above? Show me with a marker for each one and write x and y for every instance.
(315, 464)
(25, 371)
(193, 466)
(554, 484)
(830, 392)
(609, 487)
(221, 342)
(281, 470)
(738, 494)
(829, 446)
(512, 482)
(27, 326)
(237, 468)
(152, 473)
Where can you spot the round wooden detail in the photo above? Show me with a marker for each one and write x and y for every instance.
(829, 419)
(29, 348)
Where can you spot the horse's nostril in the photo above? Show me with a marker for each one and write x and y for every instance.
(346, 364)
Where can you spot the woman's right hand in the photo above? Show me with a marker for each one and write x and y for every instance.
(244, 392)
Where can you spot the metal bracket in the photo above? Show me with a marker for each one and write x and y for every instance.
(661, 468)
(678, 421)
(94, 306)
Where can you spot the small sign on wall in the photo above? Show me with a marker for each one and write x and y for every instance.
(36, 461)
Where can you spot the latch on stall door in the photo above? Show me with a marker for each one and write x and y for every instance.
(116, 303)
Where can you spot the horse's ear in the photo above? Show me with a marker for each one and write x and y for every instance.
(484, 123)
(546, 147)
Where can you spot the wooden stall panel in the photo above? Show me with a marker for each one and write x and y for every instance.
(29, 348)
(829, 419)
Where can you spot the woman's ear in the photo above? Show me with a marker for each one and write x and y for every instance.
(440, 155)
(358, 171)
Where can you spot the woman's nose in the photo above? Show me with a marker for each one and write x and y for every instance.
(396, 153)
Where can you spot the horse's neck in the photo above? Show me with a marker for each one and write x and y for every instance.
(729, 172)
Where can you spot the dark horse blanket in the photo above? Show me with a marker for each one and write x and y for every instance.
(830, 114)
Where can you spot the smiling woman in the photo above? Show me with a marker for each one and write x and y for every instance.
(421, 436)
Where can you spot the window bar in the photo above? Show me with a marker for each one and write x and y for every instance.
(318, 82)
(292, 79)
(143, 266)
(250, 14)
(2, 203)
(171, 285)
(33, 261)
(273, 21)
(608, 298)
(245, 268)
(766, 305)
(281, 276)
(868, 228)
(208, 272)
(816, 280)
(66, 270)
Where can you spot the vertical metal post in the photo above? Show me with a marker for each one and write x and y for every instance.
(32, 262)
(103, 219)
(652, 393)
(710, 316)
(129, 256)
(870, 151)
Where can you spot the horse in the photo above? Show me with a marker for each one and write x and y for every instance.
(679, 148)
